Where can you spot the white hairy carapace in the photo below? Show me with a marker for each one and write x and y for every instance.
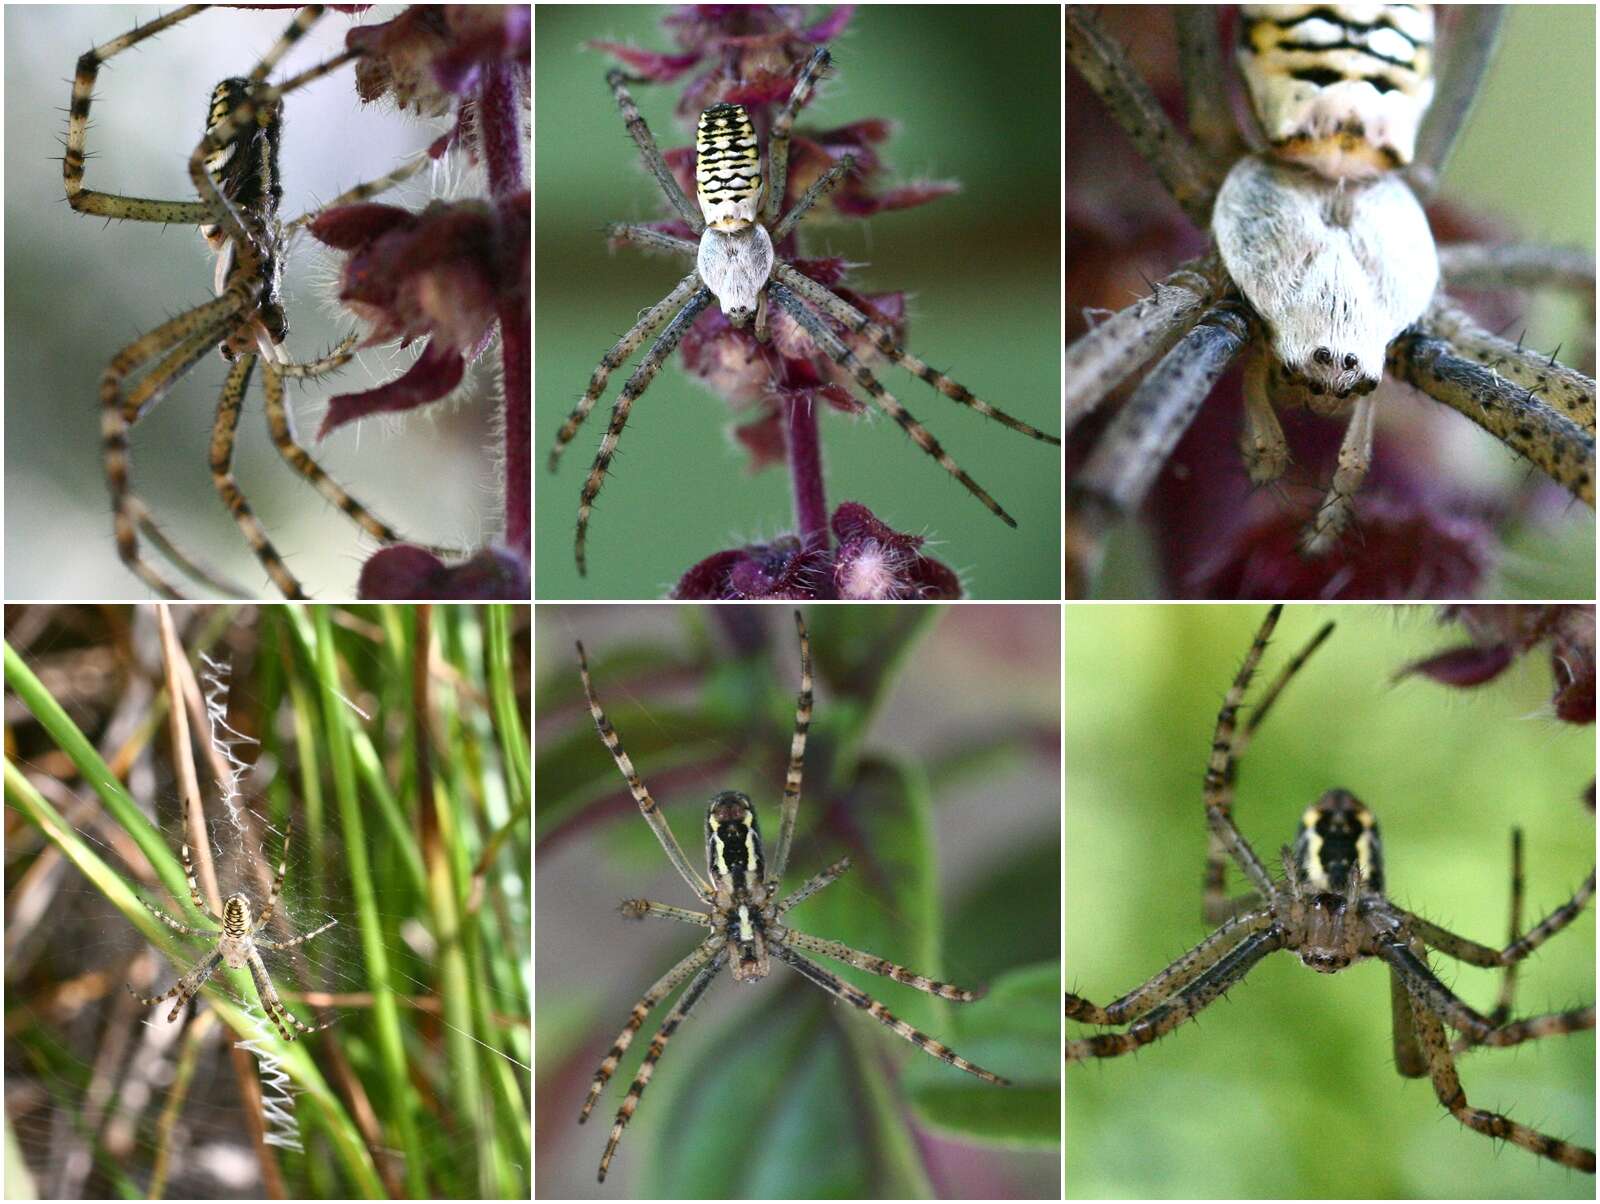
(1326, 242)
(735, 258)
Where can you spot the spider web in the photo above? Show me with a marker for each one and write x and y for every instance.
(176, 1095)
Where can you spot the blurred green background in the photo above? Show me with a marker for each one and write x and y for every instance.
(78, 289)
(975, 96)
(1287, 1088)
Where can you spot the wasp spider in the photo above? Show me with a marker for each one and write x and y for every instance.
(1322, 271)
(234, 169)
(238, 945)
(744, 915)
(1330, 909)
(740, 262)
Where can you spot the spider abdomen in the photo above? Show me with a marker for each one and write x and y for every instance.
(727, 168)
(1339, 88)
(1336, 270)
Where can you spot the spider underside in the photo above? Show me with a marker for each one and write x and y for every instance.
(1330, 910)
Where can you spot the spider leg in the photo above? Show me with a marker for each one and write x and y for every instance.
(857, 322)
(637, 384)
(1559, 447)
(658, 1044)
(1192, 965)
(186, 988)
(1139, 440)
(841, 952)
(1204, 990)
(1217, 906)
(106, 204)
(1210, 117)
(641, 795)
(223, 430)
(1462, 949)
(192, 334)
(654, 163)
(835, 349)
(1447, 1086)
(662, 987)
(815, 883)
(272, 1004)
(194, 887)
(778, 141)
(840, 989)
(651, 239)
(637, 909)
(621, 352)
(1472, 46)
(1266, 451)
(822, 185)
(173, 924)
(1476, 265)
(1217, 794)
(1107, 354)
(1355, 458)
(1568, 392)
(280, 423)
(1128, 98)
(797, 760)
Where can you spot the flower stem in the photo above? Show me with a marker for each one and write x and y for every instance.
(805, 469)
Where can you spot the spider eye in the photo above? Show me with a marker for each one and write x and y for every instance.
(1351, 363)
(1322, 355)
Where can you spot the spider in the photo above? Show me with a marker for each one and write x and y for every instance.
(745, 915)
(234, 169)
(1330, 909)
(238, 946)
(1321, 264)
(740, 262)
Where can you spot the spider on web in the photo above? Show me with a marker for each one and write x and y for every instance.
(1331, 910)
(234, 170)
(1321, 273)
(745, 916)
(742, 250)
(238, 946)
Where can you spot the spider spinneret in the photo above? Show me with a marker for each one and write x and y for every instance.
(1331, 911)
(745, 915)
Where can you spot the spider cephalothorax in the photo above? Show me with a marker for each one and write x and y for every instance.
(1322, 275)
(740, 235)
(1330, 910)
(744, 915)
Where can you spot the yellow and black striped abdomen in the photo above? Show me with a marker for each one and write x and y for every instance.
(1339, 88)
(727, 168)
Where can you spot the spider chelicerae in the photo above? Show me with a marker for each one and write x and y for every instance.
(234, 169)
(1330, 909)
(239, 945)
(1321, 271)
(742, 262)
(745, 915)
